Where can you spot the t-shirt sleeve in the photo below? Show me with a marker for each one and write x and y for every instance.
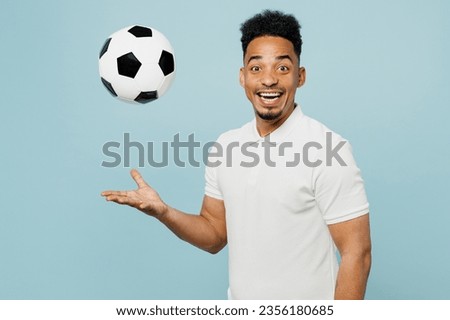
(339, 189)
(212, 188)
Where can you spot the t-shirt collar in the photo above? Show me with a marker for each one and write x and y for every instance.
(279, 134)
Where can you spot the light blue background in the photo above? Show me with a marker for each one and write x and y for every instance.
(377, 73)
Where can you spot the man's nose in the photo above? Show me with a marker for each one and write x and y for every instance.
(268, 78)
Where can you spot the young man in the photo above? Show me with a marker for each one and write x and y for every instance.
(281, 217)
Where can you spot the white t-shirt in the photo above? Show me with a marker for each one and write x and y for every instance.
(278, 203)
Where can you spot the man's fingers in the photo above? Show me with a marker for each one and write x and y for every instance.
(116, 198)
(123, 199)
(114, 193)
(138, 178)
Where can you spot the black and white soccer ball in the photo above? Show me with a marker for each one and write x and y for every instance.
(137, 64)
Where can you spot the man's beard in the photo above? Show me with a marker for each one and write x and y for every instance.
(269, 115)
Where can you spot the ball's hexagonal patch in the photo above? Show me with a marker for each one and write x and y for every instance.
(104, 48)
(128, 65)
(149, 77)
(146, 96)
(125, 87)
(109, 87)
(140, 32)
(166, 83)
(166, 62)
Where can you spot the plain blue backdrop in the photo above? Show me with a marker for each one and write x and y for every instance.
(377, 73)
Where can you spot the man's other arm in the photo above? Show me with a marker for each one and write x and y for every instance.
(352, 238)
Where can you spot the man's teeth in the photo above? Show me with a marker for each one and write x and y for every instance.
(269, 95)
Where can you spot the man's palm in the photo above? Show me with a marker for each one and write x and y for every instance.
(144, 198)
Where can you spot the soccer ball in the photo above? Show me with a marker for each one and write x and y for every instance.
(137, 64)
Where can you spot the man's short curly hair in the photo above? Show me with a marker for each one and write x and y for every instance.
(272, 23)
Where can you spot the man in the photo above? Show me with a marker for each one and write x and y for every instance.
(282, 218)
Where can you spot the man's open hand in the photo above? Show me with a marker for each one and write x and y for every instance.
(144, 198)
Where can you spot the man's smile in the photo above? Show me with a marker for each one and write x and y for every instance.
(269, 96)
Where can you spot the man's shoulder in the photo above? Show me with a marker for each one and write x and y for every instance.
(314, 130)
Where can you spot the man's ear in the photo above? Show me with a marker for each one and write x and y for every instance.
(301, 76)
(241, 77)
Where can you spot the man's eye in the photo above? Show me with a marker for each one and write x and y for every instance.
(255, 68)
(283, 68)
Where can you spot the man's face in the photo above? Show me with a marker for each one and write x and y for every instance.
(271, 76)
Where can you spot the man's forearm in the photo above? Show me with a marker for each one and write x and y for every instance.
(193, 229)
(352, 277)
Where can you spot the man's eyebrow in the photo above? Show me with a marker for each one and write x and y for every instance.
(279, 58)
(254, 58)
(286, 56)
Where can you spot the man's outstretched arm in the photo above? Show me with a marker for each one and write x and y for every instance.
(352, 239)
(206, 231)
